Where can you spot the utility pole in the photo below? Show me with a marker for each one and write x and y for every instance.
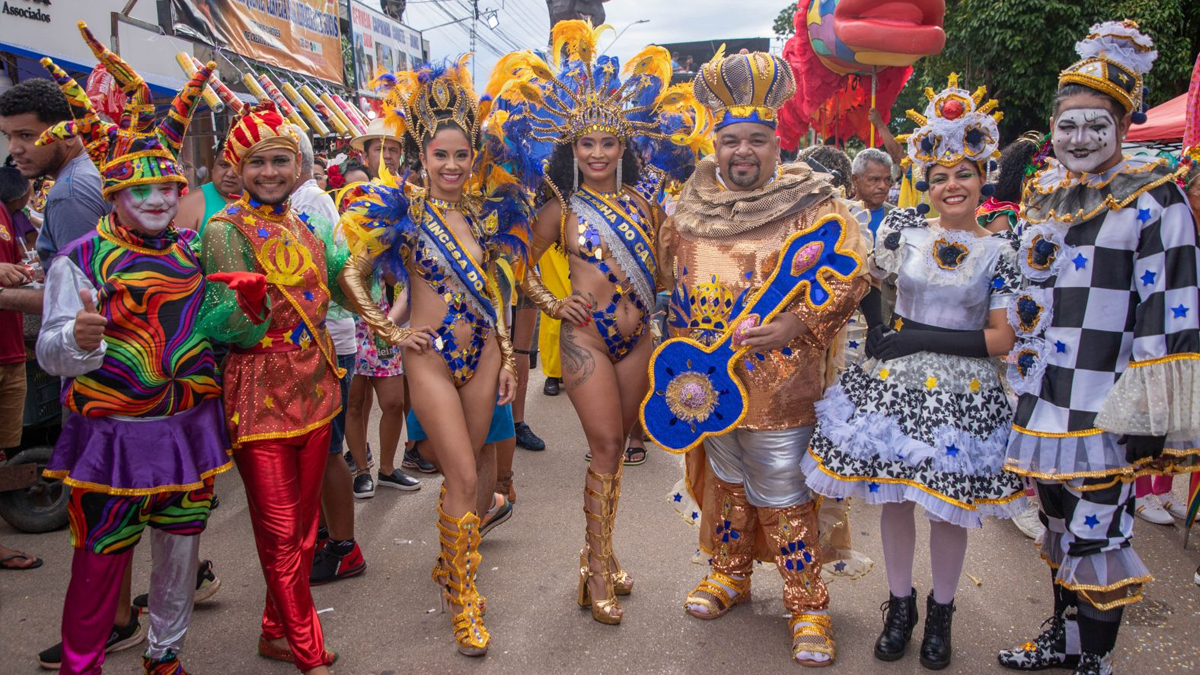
(474, 28)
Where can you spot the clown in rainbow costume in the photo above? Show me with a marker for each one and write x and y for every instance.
(442, 232)
(604, 147)
(723, 245)
(146, 436)
(1108, 346)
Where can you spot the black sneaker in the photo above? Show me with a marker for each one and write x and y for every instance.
(399, 480)
(353, 465)
(1052, 649)
(122, 637)
(364, 486)
(207, 585)
(551, 386)
(413, 460)
(527, 439)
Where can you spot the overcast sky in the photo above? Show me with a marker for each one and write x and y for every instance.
(525, 24)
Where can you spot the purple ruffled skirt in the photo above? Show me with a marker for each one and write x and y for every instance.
(132, 457)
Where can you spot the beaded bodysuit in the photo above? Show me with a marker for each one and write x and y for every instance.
(439, 259)
(614, 236)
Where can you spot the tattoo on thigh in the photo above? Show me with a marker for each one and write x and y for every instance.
(576, 361)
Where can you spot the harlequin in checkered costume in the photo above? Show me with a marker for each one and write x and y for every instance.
(722, 245)
(145, 438)
(1107, 363)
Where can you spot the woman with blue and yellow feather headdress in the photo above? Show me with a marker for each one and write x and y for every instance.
(441, 232)
(606, 146)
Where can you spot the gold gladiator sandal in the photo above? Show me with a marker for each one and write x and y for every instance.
(446, 551)
(794, 532)
(459, 565)
(732, 555)
(599, 506)
(622, 581)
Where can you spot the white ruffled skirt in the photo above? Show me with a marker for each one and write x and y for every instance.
(926, 428)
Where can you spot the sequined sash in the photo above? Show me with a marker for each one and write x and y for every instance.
(470, 274)
(636, 250)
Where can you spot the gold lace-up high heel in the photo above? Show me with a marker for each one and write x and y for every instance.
(599, 505)
(455, 574)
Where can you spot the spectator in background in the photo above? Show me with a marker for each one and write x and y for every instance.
(15, 191)
(835, 161)
(197, 206)
(12, 367)
(75, 204)
(871, 177)
(320, 175)
(355, 172)
(379, 145)
(338, 555)
(676, 66)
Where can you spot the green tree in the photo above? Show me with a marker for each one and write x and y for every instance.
(1017, 48)
(785, 25)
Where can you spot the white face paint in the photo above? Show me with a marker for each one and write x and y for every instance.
(1084, 138)
(148, 208)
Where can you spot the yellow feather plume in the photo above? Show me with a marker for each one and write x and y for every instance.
(652, 60)
(579, 39)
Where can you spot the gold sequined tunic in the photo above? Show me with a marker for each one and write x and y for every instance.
(722, 246)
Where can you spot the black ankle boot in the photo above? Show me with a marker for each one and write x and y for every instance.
(897, 627)
(935, 648)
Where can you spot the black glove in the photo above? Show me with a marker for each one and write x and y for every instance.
(1142, 447)
(874, 341)
(872, 308)
(904, 342)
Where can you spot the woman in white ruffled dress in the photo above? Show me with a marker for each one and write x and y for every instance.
(923, 419)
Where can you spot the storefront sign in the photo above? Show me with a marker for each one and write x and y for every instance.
(380, 45)
(28, 9)
(297, 35)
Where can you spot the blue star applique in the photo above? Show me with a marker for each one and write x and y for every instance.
(839, 566)
(874, 487)
(1148, 278)
(677, 497)
(263, 232)
(952, 450)
(1080, 261)
(1144, 215)
(308, 295)
(998, 283)
(854, 344)
(1060, 347)
(1091, 521)
(1180, 311)
(695, 515)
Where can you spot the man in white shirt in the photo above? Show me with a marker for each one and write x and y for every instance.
(339, 556)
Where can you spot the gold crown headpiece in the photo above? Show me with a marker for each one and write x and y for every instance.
(418, 102)
(586, 95)
(1114, 58)
(745, 87)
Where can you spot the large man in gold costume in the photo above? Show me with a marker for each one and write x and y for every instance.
(722, 244)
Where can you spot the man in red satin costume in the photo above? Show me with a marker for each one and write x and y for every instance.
(281, 377)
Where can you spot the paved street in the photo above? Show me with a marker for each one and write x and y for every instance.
(385, 622)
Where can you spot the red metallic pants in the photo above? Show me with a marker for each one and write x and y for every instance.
(283, 488)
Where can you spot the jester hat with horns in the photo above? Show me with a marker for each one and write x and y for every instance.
(139, 150)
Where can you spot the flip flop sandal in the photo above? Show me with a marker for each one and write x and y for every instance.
(629, 454)
(588, 456)
(20, 555)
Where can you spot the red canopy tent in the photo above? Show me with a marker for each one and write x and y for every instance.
(1163, 122)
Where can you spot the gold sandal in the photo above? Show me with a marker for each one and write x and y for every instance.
(455, 573)
(812, 633)
(715, 597)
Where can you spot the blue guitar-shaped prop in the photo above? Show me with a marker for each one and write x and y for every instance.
(694, 391)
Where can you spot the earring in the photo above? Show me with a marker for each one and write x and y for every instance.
(575, 173)
(620, 172)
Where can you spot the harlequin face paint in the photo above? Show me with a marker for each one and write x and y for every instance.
(1085, 138)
